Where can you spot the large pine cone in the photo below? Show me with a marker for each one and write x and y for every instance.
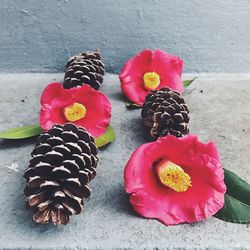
(165, 112)
(87, 67)
(63, 162)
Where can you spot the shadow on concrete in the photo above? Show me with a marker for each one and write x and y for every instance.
(7, 144)
(118, 96)
(120, 203)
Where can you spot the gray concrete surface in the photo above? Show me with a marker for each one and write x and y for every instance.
(211, 36)
(220, 111)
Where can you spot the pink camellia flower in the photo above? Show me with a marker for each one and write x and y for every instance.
(149, 70)
(175, 180)
(82, 106)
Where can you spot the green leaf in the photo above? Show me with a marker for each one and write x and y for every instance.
(237, 200)
(21, 132)
(131, 105)
(237, 187)
(186, 83)
(107, 137)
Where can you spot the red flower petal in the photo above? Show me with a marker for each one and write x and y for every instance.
(152, 199)
(131, 76)
(53, 90)
(98, 110)
(52, 113)
(167, 66)
(55, 98)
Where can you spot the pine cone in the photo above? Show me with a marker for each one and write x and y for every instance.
(87, 67)
(165, 112)
(63, 162)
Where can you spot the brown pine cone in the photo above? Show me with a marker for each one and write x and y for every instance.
(87, 67)
(63, 162)
(164, 112)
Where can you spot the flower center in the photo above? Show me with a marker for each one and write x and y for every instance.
(74, 112)
(173, 176)
(151, 80)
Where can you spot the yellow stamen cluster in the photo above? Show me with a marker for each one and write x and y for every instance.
(151, 80)
(173, 176)
(75, 112)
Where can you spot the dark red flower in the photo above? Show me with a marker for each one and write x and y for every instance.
(82, 106)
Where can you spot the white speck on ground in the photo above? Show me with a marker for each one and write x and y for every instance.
(13, 167)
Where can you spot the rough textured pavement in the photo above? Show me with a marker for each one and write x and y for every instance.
(220, 111)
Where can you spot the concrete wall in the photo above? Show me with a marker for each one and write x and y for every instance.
(211, 36)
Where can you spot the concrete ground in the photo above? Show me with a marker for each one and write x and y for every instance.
(220, 111)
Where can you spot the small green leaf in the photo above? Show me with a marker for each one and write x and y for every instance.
(131, 105)
(107, 137)
(186, 83)
(21, 132)
(237, 200)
